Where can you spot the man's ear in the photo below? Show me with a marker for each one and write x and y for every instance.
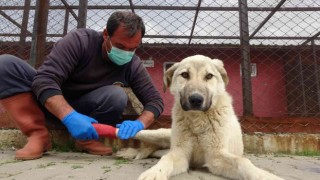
(220, 66)
(105, 34)
(167, 78)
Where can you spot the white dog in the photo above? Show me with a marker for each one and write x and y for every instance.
(205, 130)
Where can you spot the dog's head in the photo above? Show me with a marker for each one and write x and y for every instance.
(196, 82)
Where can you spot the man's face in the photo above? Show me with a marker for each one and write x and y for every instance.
(120, 40)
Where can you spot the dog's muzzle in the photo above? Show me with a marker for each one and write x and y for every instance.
(193, 102)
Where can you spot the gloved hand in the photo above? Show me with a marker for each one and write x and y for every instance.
(80, 126)
(128, 128)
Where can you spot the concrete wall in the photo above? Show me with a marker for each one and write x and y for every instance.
(258, 143)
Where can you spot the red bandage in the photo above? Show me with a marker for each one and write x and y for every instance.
(105, 130)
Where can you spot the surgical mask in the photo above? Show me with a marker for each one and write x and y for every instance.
(119, 56)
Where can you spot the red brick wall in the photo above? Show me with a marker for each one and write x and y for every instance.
(268, 87)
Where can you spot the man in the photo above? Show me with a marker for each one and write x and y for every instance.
(79, 84)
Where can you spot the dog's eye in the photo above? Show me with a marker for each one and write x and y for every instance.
(209, 76)
(185, 75)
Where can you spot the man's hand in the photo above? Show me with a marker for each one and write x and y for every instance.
(128, 129)
(80, 126)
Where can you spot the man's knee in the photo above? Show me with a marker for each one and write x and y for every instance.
(7, 63)
(117, 97)
(110, 104)
(10, 64)
(16, 75)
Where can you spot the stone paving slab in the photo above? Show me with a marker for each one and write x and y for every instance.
(81, 166)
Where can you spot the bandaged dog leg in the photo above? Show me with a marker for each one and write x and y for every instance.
(104, 130)
(159, 137)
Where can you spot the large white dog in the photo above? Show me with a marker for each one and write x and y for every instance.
(205, 130)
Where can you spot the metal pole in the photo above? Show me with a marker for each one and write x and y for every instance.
(245, 64)
(24, 30)
(301, 77)
(316, 69)
(38, 46)
(194, 22)
(66, 23)
(131, 6)
(82, 16)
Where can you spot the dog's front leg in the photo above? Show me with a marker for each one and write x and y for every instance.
(237, 167)
(173, 163)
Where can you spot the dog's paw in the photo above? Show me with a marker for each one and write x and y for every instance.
(263, 175)
(127, 153)
(153, 173)
(146, 150)
(142, 155)
(248, 171)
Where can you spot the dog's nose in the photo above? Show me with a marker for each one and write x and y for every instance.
(195, 100)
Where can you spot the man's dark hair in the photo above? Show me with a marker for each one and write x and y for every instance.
(131, 22)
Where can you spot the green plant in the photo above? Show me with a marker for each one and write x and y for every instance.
(66, 147)
(46, 165)
(119, 161)
(9, 161)
(308, 153)
(76, 166)
(106, 169)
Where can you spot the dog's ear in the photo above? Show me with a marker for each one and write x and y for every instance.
(220, 66)
(167, 78)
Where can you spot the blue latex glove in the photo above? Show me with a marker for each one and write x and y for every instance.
(80, 126)
(128, 128)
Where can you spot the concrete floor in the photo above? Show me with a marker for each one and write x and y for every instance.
(81, 166)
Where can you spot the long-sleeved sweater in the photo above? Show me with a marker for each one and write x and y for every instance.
(76, 66)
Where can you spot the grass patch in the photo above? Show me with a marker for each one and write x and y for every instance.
(283, 154)
(7, 175)
(302, 153)
(9, 162)
(46, 165)
(69, 146)
(120, 161)
(106, 169)
(76, 166)
(308, 153)
(114, 149)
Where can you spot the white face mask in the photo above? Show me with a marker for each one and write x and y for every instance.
(119, 56)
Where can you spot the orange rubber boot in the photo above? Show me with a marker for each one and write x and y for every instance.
(29, 118)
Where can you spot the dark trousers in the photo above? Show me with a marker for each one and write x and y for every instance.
(104, 104)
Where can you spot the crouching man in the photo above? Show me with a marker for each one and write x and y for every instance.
(78, 83)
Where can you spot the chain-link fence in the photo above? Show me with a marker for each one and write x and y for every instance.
(270, 48)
